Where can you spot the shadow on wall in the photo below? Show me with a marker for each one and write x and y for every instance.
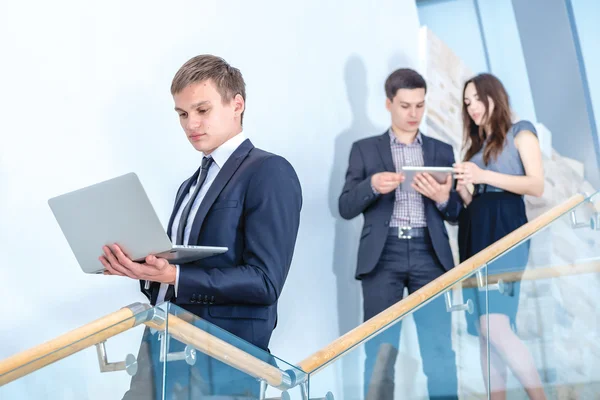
(347, 233)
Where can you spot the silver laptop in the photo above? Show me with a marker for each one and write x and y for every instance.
(117, 211)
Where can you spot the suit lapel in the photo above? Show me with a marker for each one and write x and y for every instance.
(428, 152)
(385, 151)
(224, 175)
(185, 188)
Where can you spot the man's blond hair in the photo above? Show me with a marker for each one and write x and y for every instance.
(227, 79)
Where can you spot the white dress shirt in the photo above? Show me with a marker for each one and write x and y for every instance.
(220, 157)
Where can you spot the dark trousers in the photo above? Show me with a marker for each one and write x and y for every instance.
(412, 264)
(206, 378)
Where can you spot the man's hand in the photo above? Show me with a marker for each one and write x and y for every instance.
(154, 269)
(429, 187)
(385, 182)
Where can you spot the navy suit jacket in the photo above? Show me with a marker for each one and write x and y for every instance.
(370, 156)
(253, 209)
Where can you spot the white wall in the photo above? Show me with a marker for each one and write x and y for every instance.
(506, 54)
(85, 97)
(587, 13)
(456, 23)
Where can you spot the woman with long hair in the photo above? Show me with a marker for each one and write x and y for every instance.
(503, 162)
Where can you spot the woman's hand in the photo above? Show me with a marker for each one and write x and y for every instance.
(464, 193)
(469, 173)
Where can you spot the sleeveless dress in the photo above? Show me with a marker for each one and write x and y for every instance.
(493, 214)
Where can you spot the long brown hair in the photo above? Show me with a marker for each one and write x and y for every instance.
(488, 87)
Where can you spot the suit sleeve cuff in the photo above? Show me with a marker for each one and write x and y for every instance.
(176, 280)
(442, 206)
(375, 192)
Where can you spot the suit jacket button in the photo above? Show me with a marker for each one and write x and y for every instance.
(387, 223)
(366, 198)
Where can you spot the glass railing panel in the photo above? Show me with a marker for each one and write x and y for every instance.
(98, 364)
(426, 353)
(205, 361)
(162, 352)
(544, 326)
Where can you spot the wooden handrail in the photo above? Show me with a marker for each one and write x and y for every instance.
(329, 353)
(538, 273)
(30, 360)
(111, 325)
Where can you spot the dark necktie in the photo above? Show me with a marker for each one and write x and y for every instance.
(206, 163)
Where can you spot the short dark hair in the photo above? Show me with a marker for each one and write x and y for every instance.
(228, 80)
(403, 78)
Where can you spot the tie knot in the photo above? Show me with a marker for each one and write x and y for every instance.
(206, 162)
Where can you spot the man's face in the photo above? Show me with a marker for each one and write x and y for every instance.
(407, 108)
(208, 122)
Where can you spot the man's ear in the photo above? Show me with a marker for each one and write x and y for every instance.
(239, 105)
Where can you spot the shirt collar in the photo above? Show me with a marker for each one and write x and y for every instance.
(418, 138)
(224, 151)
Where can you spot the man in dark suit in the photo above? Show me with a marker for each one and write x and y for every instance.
(241, 197)
(404, 242)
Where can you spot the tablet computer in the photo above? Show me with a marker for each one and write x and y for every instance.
(438, 173)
